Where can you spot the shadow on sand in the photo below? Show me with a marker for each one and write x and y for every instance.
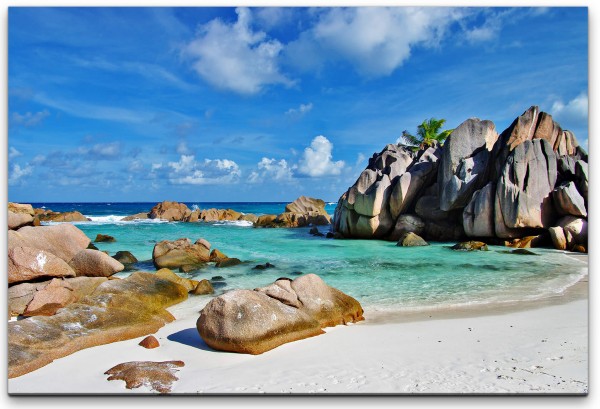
(191, 338)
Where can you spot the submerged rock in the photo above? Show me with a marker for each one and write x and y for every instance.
(158, 376)
(228, 262)
(116, 310)
(203, 287)
(470, 246)
(256, 321)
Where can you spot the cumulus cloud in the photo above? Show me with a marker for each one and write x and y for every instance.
(13, 153)
(574, 111)
(188, 171)
(17, 173)
(317, 160)
(234, 57)
(271, 169)
(376, 40)
(29, 119)
(300, 111)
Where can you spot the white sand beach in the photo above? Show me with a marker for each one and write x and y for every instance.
(540, 349)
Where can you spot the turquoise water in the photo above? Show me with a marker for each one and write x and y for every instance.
(380, 275)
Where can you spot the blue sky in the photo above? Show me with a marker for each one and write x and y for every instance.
(251, 104)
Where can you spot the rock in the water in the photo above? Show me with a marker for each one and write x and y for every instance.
(203, 287)
(137, 216)
(523, 190)
(125, 257)
(463, 167)
(104, 238)
(256, 321)
(470, 246)
(117, 310)
(216, 255)
(27, 263)
(478, 216)
(157, 376)
(410, 239)
(170, 211)
(263, 266)
(568, 201)
(167, 274)
(313, 231)
(203, 242)
(64, 240)
(181, 252)
(150, 342)
(265, 220)
(407, 223)
(51, 216)
(94, 263)
(558, 238)
(228, 262)
(57, 294)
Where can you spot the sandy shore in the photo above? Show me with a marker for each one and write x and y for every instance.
(543, 348)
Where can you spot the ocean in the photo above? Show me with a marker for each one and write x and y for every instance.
(382, 276)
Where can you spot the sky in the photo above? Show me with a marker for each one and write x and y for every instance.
(265, 104)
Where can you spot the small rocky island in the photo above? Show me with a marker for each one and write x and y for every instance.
(526, 187)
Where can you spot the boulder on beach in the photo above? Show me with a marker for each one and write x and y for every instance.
(557, 235)
(63, 240)
(115, 311)
(256, 321)
(169, 211)
(27, 264)
(158, 376)
(181, 252)
(57, 294)
(150, 342)
(410, 239)
(20, 295)
(94, 263)
(203, 287)
(19, 215)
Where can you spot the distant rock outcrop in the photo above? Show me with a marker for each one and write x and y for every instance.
(170, 211)
(50, 216)
(302, 212)
(256, 321)
(478, 184)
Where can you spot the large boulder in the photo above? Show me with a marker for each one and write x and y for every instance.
(64, 240)
(407, 223)
(463, 167)
(478, 216)
(557, 235)
(568, 201)
(523, 191)
(181, 252)
(581, 174)
(575, 230)
(27, 264)
(94, 263)
(117, 310)
(170, 275)
(19, 215)
(57, 294)
(170, 211)
(125, 257)
(256, 321)
(20, 295)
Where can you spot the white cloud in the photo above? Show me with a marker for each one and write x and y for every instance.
(188, 171)
(377, 40)
(236, 58)
(18, 172)
(13, 153)
(110, 150)
(270, 17)
(317, 159)
(300, 111)
(271, 169)
(29, 119)
(574, 111)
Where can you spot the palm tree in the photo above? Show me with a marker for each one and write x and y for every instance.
(428, 133)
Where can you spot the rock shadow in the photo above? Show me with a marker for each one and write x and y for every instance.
(190, 337)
